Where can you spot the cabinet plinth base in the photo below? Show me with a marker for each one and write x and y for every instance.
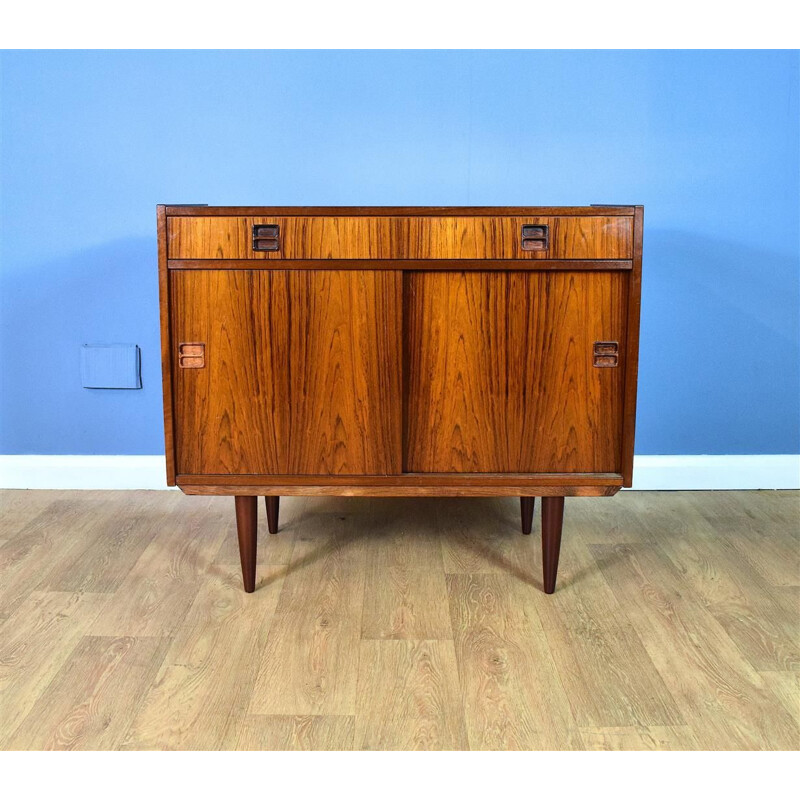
(597, 484)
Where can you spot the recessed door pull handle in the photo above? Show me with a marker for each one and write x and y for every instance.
(535, 237)
(266, 237)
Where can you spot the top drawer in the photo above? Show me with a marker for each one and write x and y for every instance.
(374, 238)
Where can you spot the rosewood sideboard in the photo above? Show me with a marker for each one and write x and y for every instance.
(400, 352)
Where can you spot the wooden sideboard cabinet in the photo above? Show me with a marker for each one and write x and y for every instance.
(400, 352)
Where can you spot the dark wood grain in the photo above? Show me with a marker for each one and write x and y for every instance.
(591, 237)
(247, 531)
(634, 304)
(565, 413)
(399, 488)
(232, 415)
(398, 211)
(552, 522)
(500, 375)
(442, 264)
(457, 372)
(301, 372)
(376, 238)
(272, 503)
(166, 350)
(551, 479)
(406, 485)
(344, 373)
(526, 511)
(401, 352)
(217, 237)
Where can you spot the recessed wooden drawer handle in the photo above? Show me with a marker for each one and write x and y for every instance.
(535, 237)
(606, 354)
(191, 355)
(266, 237)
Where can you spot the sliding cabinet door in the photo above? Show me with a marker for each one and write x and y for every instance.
(298, 372)
(501, 373)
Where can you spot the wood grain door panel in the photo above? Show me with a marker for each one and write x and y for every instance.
(412, 238)
(301, 375)
(345, 372)
(231, 414)
(500, 374)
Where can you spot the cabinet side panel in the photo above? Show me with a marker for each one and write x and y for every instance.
(345, 372)
(166, 351)
(634, 303)
(231, 413)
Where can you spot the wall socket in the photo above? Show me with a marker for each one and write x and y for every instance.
(111, 366)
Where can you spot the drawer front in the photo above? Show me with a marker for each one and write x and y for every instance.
(376, 238)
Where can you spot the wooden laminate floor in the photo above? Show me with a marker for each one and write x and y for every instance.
(399, 624)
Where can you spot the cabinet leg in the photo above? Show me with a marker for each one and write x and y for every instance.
(273, 504)
(247, 528)
(552, 520)
(526, 507)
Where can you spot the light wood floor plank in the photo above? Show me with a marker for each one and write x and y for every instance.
(206, 680)
(34, 643)
(408, 697)
(732, 591)
(56, 533)
(295, 733)
(764, 522)
(478, 536)
(697, 589)
(512, 695)
(310, 662)
(606, 672)
(19, 506)
(610, 520)
(786, 687)
(110, 553)
(401, 533)
(405, 603)
(347, 535)
(676, 737)
(90, 702)
(158, 591)
(272, 548)
(788, 597)
(720, 695)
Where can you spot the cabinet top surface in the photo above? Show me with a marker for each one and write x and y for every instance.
(399, 211)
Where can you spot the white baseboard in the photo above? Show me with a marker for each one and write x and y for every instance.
(650, 472)
(716, 472)
(83, 472)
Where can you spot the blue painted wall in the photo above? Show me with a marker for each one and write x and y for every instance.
(707, 141)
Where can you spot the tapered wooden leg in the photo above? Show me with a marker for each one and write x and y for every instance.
(273, 504)
(552, 520)
(526, 507)
(247, 528)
